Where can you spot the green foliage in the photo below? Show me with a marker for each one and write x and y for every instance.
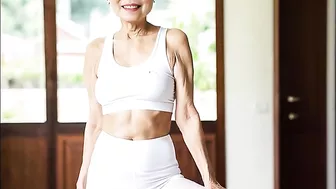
(68, 80)
(8, 115)
(81, 9)
(212, 47)
(24, 79)
(23, 74)
(34, 79)
(22, 18)
(204, 78)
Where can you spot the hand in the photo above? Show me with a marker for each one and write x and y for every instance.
(214, 185)
(81, 182)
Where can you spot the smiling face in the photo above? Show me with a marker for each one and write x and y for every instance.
(131, 10)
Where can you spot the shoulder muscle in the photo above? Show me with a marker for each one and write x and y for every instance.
(92, 56)
(177, 39)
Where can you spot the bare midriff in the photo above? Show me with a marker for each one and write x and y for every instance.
(137, 124)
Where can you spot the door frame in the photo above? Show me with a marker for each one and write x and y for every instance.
(51, 127)
(276, 93)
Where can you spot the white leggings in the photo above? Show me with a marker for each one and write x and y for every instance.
(142, 164)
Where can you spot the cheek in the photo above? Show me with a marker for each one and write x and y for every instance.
(115, 7)
(146, 9)
(147, 6)
(145, 1)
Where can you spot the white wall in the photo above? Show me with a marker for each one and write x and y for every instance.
(331, 95)
(249, 93)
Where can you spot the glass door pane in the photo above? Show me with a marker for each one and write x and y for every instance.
(78, 22)
(23, 92)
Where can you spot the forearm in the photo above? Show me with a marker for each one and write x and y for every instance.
(193, 136)
(90, 136)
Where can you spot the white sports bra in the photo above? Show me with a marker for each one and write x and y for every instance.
(149, 85)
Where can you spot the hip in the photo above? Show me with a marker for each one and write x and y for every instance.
(142, 156)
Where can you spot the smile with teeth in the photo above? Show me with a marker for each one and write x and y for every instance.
(131, 6)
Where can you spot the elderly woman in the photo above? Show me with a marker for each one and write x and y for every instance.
(133, 78)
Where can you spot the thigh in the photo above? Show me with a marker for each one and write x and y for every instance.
(179, 182)
(109, 182)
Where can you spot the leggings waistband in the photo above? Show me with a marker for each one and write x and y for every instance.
(110, 138)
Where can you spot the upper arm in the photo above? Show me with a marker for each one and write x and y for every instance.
(183, 73)
(91, 63)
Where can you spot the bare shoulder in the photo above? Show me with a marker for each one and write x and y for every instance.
(176, 38)
(93, 51)
(95, 45)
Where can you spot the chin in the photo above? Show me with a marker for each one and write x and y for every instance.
(132, 19)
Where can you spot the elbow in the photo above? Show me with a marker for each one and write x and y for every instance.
(94, 122)
(92, 126)
(188, 123)
(187, 117)
(91, 130)
(180, 123)
(181, 119)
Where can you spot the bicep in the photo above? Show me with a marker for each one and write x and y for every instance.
(184, 74)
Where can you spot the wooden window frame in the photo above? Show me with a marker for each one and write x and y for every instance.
(52, 128)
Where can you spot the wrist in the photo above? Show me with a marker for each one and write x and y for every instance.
(212, 183)
(209, 181)
(209, 175)
(83, 171)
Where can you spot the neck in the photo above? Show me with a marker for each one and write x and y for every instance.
(133, 30)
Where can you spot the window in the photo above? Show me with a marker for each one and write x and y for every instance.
(23, 96)
(79, 21)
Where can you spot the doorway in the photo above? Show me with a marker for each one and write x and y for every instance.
(300, 89)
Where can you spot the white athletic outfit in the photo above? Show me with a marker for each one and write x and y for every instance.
(136, 164)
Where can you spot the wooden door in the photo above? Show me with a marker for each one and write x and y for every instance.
(301, 46)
